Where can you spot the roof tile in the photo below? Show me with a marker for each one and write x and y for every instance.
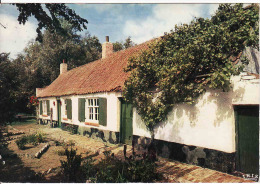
(102, 75)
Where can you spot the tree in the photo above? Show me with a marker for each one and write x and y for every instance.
(128, 43)
(179, 66)
(8, 82)
(117, 46)
(40, 63)
(50, 20)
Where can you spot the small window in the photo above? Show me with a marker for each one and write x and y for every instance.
(93, 109)
(44, 106)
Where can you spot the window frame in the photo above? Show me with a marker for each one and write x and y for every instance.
(92, 116)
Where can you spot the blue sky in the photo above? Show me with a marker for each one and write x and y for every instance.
(118, 21)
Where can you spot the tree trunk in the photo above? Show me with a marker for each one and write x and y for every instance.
(152, 148)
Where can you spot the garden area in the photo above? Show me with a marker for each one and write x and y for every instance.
(33, 153)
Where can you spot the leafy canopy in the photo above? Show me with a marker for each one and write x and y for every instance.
(39, 65)
(117, 46)
(49, 19)
(179, 66)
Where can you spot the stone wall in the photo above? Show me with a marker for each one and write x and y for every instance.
(208, 158)
(104, 135)
(54, 123)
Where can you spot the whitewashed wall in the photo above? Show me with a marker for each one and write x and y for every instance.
(208, 123)
(53, 106)
(113, 109)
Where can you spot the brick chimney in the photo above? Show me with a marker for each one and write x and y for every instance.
(63, 67)
(107, 48)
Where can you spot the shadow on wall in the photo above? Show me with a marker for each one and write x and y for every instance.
(176, 119)
(223, 101)
(184, 115)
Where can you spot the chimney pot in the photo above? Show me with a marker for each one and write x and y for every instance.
(107, 48)
(63, 67)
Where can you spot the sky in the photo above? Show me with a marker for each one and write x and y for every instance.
(141, 22)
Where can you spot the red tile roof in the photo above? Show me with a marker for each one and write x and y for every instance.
(103, 75)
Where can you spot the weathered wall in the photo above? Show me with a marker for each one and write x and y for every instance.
(209, 123)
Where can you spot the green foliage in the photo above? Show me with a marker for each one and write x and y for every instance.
(8, 86)
(32, 139)
(182, 64)
(88, 169)
(48, 17)
(117, 46)
(39, 65)
(21, 142)
(112, 169)
(71, 167)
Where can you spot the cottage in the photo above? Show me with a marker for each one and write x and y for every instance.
(220, 131)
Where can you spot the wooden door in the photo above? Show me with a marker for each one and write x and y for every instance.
(247, 131)
(126, 125)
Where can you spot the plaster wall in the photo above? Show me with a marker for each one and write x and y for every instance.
(210, 122)
(113, 110)
(52, 106)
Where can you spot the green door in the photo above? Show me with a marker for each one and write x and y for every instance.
(247, 131)
(59, 113)
(126, 125)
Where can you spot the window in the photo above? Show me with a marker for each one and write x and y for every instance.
(44, 106)
(93, 109)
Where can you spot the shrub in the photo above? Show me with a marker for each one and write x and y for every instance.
(61, 152)
(71, 167)
(40, 137)
(21, 142)
(112, 169)
(88, 169)
(33, 139)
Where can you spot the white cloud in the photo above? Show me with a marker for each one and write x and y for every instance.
(14, 38)
(163, 18)
(101, 8)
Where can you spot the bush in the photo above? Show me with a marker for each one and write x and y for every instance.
(21, 142)
(71, 167)
(61, 152)
(112, 169)
(33, 139)
(40, 137)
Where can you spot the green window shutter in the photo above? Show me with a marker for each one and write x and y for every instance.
(48, 108)
(69, 109)
(40, 107)
(81, 109)
(103, 111)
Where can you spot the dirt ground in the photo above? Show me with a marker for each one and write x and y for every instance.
(22, 166)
